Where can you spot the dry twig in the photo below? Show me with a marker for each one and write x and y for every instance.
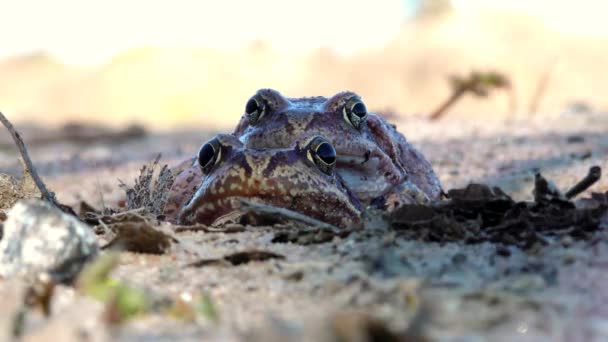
(478, 84)
(595, 173)
(249, 206)
(541, 88)
(29, 166)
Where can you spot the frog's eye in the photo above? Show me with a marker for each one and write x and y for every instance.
(255, 109)
(355, 112)
(323, 154)
(209, 154)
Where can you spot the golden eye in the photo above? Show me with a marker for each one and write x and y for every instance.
(255, 109)
(355, 112)
(323, 154)
(209, 154)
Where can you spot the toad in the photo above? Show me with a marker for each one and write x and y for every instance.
(375, 161)
(301, 178)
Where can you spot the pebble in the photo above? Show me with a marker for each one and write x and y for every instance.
(40, 238)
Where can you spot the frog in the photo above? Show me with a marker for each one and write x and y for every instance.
(300, 178)
(375, 160)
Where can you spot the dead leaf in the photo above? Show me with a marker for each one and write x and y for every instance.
(139, 237)
(87, 210)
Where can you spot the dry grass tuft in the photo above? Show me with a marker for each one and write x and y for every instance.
(150, 192)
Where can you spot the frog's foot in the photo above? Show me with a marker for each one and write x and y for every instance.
(405, 193)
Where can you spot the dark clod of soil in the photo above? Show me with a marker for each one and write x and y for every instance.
(238, 258)
(307, 237)
(479, 213)
(357, 326)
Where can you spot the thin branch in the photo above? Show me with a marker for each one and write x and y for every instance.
(289, 214)
(476, 83)
(512, 106)
(541, 88)
(449, 102)
(29, 166)
(595, 173)
(207, 229)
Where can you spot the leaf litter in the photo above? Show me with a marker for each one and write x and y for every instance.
(480, 213)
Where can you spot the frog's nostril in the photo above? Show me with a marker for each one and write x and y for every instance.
(366, 156)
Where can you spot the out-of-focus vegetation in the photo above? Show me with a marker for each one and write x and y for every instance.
(200, 87)
(123, 301)
(478, 84)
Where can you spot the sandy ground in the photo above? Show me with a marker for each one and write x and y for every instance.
(447, 292)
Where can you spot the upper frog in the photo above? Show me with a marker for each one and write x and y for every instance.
(300, 178)
(374, 159)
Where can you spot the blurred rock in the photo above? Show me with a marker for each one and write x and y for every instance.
(40, 238)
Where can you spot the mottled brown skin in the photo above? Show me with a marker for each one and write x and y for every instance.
(188, 177)
(284, 178)
(374, 160)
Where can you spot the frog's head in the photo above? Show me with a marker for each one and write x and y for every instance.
(300, 178)
(366, 151)
(284, 118)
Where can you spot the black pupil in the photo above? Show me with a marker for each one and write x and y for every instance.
(327, 153)
(251, 107)
(205, 155)
(359, 109)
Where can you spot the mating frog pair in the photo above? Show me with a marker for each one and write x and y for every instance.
(324, 157)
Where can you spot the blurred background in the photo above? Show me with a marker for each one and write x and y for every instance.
(187, 63)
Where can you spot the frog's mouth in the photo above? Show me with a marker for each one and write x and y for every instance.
(368, 162)
(214, 211)
(368, 175)
(352, 160)
(230, 210)
(218, 211)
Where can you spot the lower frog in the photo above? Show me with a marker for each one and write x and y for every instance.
(300, 178)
